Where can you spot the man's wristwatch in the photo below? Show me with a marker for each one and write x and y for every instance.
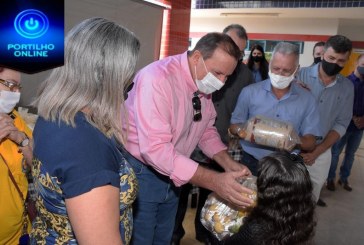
(24, 142)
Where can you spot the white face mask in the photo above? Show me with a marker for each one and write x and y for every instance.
(209, 83)
(281, 82)
(8, 101)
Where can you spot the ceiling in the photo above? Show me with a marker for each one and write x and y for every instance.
(352, 16)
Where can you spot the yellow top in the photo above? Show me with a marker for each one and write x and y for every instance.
(11, 205)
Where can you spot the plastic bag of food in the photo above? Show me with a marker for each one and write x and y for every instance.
(221, 218)
(269, 132)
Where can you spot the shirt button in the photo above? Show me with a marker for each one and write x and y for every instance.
(277, 115)
(321, 101)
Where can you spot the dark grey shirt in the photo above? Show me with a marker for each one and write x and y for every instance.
(225, 99)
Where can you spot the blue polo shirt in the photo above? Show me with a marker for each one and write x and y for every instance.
(335, 101)
(297, 107)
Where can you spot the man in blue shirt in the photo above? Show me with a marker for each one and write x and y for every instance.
(277, 97)
(354, 133)
(334, 94)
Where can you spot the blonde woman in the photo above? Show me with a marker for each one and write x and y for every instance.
(84, 185)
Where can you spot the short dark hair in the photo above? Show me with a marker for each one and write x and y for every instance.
(339, 43)
(211, 41)
(318, 44)
(240, 30)
(285, 205)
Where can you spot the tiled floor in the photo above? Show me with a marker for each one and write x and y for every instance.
(341, 223)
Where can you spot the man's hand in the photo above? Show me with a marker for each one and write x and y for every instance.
(310, 157)
(224, 184)
(228, 188)
(359, 122)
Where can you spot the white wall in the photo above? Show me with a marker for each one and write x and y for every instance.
(347, 21)
(272, 25)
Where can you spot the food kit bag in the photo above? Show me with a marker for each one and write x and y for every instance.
(223, 219)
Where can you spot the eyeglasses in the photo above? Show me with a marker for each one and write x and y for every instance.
(13, 86)
(196, 103)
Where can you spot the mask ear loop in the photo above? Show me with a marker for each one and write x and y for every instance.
(205, 65)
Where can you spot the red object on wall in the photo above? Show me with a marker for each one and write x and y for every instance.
(176, 28)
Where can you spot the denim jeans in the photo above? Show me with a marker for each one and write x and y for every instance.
(155, 207)
(352, 141)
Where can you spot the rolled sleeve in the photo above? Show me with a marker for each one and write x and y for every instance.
(346, 111)
(184, 169)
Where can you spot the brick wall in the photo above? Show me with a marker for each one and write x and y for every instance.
(176, 27)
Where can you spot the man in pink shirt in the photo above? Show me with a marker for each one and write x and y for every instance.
(170, 113)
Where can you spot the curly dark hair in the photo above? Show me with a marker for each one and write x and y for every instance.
(263, 66)
(285, 207)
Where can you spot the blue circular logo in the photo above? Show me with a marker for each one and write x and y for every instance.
(31, 23)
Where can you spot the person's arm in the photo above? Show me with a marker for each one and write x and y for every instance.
(308, 142)
(95, 215)
(330, 139)
(240, 114)
(227, 163)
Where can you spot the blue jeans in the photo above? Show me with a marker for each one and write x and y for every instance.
(352, 141)
(155, 207)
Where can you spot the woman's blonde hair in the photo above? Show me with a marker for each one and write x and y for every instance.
(100, 60)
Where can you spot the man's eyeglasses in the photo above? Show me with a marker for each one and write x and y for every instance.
(13, 86)
(196, 103)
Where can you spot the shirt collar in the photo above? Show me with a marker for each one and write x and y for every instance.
(191, 84)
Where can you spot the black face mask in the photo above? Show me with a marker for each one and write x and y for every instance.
(127, 89)
(257, 58)
(331, 69)
(316, 60)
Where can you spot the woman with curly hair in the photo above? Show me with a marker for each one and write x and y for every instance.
(257, 63)
(285, 208)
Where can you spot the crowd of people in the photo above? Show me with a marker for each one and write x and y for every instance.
(114, 149)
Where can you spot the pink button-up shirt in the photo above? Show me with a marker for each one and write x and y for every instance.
(162, 132)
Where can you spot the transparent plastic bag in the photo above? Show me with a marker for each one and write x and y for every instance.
(270, 132)
(221, 218)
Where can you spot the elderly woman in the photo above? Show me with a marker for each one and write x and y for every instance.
(84, 185)
(15, 155)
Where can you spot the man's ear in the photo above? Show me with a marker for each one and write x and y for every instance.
(195, 57)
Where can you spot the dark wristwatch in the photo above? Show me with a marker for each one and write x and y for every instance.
(24, 142)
